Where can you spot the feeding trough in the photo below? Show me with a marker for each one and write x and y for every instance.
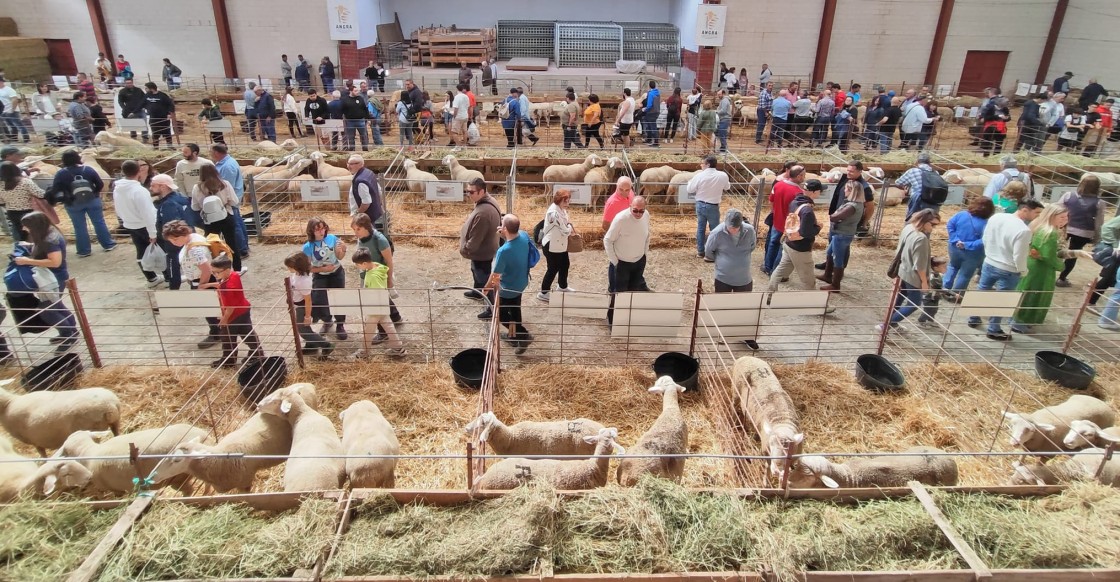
(682, 368)
(261, 377)
(57, 373)
(467, 366)
(879, 374)
(1064, 370)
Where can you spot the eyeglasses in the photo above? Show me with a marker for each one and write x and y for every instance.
(638, 211)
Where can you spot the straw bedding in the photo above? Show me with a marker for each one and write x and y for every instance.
(44, 542)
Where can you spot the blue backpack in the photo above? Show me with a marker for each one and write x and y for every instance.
(534, 255)
(20, 278)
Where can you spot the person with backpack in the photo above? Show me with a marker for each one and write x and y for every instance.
(799, 231)
(79, 187)
(376, 111)
(133, 204)
(214, 198)
(925, 187)
(510, 276)
(44, 247)
(16, 193)
(1009, 172)
(510, 111)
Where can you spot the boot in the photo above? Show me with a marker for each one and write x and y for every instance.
(837, 277)
(826, 276)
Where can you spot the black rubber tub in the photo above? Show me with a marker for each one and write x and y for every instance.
(467, 366)
(879, 374)
(1065, 370)
(682, 368)
(262, 377)
(57, 373)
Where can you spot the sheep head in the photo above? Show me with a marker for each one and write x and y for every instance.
(306, 390)
(178, 463)
(1083, 433)
(614, 162)
(408, 165)
(812, 471)
(1023, 429)
(607, 437)
(664, 384)
(485, 422)
(594, 160)
(278, 404)
(263, 161)
(62, 475)
(448, 160)
(318, 157)
(1034, 474)
(778, 444)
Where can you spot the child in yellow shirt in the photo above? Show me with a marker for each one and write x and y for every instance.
(376, 277)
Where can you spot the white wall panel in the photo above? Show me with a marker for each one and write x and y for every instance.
(780, 34)
(881, 41)
(1089, 44)
(262, 30)
(997, 25)
(146, 32)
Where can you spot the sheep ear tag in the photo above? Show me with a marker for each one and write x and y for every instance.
(286, 406)
(49, 484)
(829, 482)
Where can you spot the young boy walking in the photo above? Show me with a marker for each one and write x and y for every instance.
(235, 321)
(376, 277)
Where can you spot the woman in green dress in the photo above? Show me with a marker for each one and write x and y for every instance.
(1046, 259)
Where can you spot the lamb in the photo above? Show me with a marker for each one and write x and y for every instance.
(563, 475)
(970, 176)
(560, 437)
(815, 471)
(262, 434)
(89, 158)
(45, 419)
(312, 435)
(1085, 433)
(1081, 467)
(112, 139)
(365, 431)
(416, 177)
(769, 409)
(656, 181)
(458, 172)
(286, 171)
(1045, 430)
(115, 475)
(289, 144)
(602, 179)
(322, 170)
(570, 174)
(28, 478)
(667, 436)
(269, 145)
(677, 181)
(895, 196)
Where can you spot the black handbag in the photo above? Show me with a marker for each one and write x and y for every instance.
(1104, 255)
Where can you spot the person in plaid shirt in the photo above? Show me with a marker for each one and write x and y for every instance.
(765, 103)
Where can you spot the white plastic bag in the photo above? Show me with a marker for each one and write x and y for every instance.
(154, 259)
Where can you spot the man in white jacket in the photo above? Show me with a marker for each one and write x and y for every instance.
(133, 204)
(913, 120)
(1007, 245)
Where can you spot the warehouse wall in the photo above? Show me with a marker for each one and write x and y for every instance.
(1088, 45)
(1019, 27)
(146, 32)
(262, 30)
(55, 19)
(774, 33)
(683, 14)
(873, 41)
(483, 13)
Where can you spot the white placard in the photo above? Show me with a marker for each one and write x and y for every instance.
(974, 112)
(60, 81)
(126, 124)
(1034, 89)
(633, 86)
(342, 19)
(195, 303)
(177, 80)
(45, 125)
(944, 90)
(640, 315)
(120, 80)
(219, 125)
(711, 19)
(358, 302)
(1023, 89)
(319, 191)
(956, 195)
(444, 191)
(799, 302)
(576, 304)
(581, 193)
(266, 83)
(989, 303)
(332, 125)
(683, 197)
(239, 106)
(958, 111)
(400, 84)
(1039, 190)
(1056, 192)
(734, 315)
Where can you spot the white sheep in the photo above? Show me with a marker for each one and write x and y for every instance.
(416, 177)
(269, 145)
(667, 436)
(118, 140)
(1045, 430)
(769, 409)
(89, 158)
(1086, 433)
(561, 437)
(570, 174)
(262, 434)
(968, 176)
(313, 435)
(22, 477)
(365, 431)
(322, 170)
(289, 144)
(1081, 467)
(602, 179)
(655, 182)
(285, 171)
(116, 474)
(894, 471)
(564, 475)
(45, 419)
(458, 172)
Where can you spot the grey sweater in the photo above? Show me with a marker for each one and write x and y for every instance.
(732, 253)
(915, 255)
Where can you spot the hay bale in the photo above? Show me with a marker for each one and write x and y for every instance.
(8, 27)
(46, 541)
(24, 59)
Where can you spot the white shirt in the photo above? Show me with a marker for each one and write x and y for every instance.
(1001, 179)
(709, 185)
(186, 174)
(764, 77)
(290, 105)
(627, 239)
(1007, 243)
(731, 79)
(363, 194)
(6, 96)
(629, 116)
(133, 204)
(301, 287)
(462, 106)
(915, 118)
(191, 256)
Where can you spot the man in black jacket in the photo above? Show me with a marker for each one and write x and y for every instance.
(131, 99)
(416, 103)
(797, 255)
(161, 113)
(1031, 130)
(355, 114)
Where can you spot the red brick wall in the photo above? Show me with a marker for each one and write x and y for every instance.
(703, 63)
(353, 60)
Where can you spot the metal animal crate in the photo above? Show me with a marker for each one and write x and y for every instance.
(588, 44)
(526, 38)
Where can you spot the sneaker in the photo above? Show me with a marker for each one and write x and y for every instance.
(472, 294)
(564, 289)
(974, 324)
(62, 338)
(751, 344)
(396, 352)
(1062, 283)
(486, 315)
(543, 296)
(325, 328)
(82, 256)
(1020, 329)
(244, 271)
(340, 332)
(999, 336)
(522, 346)
(65, 345)
(208, 341)
(1109, 326)
(110, 249)
(378, 337)
(707, 260)
(159, 280)
(699, 255)
(326, 351)
(879, 328)
(819, 266)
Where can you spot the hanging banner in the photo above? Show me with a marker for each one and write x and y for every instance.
(710, 22)
(342, 17)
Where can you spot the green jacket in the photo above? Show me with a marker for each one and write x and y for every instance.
(708, 121)
(1110, 232)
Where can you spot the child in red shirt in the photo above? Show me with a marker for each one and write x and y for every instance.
(235, 321)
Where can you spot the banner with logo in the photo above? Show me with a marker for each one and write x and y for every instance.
(710, 22)
(342, 17)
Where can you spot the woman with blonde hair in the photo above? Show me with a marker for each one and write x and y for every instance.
(1008, 199)
(1045, 260)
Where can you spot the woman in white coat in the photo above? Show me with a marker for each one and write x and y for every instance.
(554, 238)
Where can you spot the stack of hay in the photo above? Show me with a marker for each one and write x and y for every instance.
(22, 58)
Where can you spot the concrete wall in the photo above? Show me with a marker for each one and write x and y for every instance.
(767, 32)
(997, 25)
(1088, 45)
(262, 30)
(147, 32)
(683, 14)
(873, 41)
(484, 13)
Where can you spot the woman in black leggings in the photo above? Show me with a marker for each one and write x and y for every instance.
(592, 121)
(554, 237)
(291, 112)
(211, 184)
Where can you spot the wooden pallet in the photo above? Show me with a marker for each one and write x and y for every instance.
(437, 46)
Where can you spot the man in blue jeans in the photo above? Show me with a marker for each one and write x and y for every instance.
(765, 104)
(1007, 244)
(723, 112)
(83, 203)
(231, 172)
(708, 186)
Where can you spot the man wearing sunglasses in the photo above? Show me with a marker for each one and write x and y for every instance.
(479, 240)
(627, 244)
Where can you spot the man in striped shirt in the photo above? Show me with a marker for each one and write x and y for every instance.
(765, 103)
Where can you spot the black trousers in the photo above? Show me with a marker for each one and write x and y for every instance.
(480, 273)
(1075, 243)
(509, 313)
(171, 274)
(627, 277)
(320, 304)
(592, 132)
(293, 124)
(558, 265)
(14, 218)
(722, 287)
(228, 229)
(510, 135)
(671, 123)
(1105, 280)
(161, 127)
(141, 241)
(241, 326)
(211, 322)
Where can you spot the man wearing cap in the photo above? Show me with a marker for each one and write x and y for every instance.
(911, 182)
(1061, 84)
(15, 155)
(170, 206)
(730, 246)
(708, 185)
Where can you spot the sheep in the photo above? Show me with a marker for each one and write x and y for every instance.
(766, 174)
(560, 437)
(667, 436)
(269, 145)
(416, 177)
(312, 435)
(1108, 179)
(42, 169)
(895, 196)
(543, 112)
(365, 431)
(1045, 430)
(570, 174)
(769, 409)
(656, 181)
(89, 158)
(895, 471)
(260, 165)
(322, 170)
(45, 419)
(1081, 467)
(115, 475)
(112, 139)
(289, 144)
(458, 172)
(285, 171)
(262, 434)
(971, 176)
(1085, 433)
(602, 179)
(564, 475)
(28, 478)
(680, 179)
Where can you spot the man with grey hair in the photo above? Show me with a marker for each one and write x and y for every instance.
(1090, 94)
(730, 246)
(1008, 172)
(1052, 114)
(509, 278)
(911, 183)
(250, 97)
(627, 245)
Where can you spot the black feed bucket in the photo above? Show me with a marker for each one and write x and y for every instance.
(1065, 370)
(878, 374)
(260, 378)
(56, 373)
(467, 366)
(682, 368)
